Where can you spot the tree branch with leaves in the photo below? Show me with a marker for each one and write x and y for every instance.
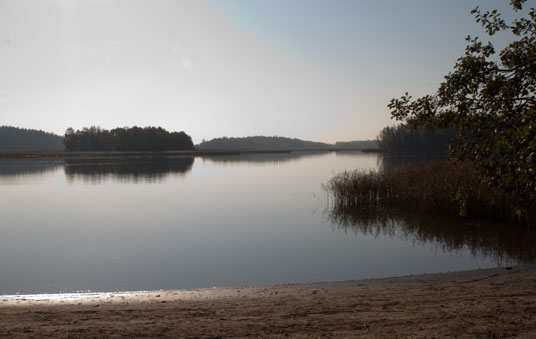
(491, 101)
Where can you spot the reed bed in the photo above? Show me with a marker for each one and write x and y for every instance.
(450, 188)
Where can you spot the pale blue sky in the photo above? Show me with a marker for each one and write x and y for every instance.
(313, 69)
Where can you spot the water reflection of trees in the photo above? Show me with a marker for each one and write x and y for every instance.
(16, 171)
(96, 171)
(390, 160)
(268, 158)
(499, 242)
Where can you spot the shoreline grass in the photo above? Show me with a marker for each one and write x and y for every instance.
(439, 186)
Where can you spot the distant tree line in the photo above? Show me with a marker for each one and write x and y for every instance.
(261, 142)
(280, 143)
(403, 139)
(126, 139)
(14, 138)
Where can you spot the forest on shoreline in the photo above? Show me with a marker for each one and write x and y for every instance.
(126, 139)
(22, 139)
(150, 139)
(280, 143)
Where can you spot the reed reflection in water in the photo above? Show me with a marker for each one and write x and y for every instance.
(502, 243)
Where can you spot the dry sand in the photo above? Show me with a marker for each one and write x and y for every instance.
(493, 303)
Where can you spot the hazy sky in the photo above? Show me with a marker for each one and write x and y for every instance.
(314, 69)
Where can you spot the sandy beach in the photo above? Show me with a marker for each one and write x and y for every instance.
(491, 303)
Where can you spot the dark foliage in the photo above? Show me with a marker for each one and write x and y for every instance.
(491, 100)
(262, 143)
(126, 139)
(13, 138)
(403, 139)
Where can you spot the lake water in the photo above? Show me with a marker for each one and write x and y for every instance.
(255, 219)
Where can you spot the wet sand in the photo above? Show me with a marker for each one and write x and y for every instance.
(492, 303)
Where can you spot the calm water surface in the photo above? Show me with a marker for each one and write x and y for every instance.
(107, 225)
